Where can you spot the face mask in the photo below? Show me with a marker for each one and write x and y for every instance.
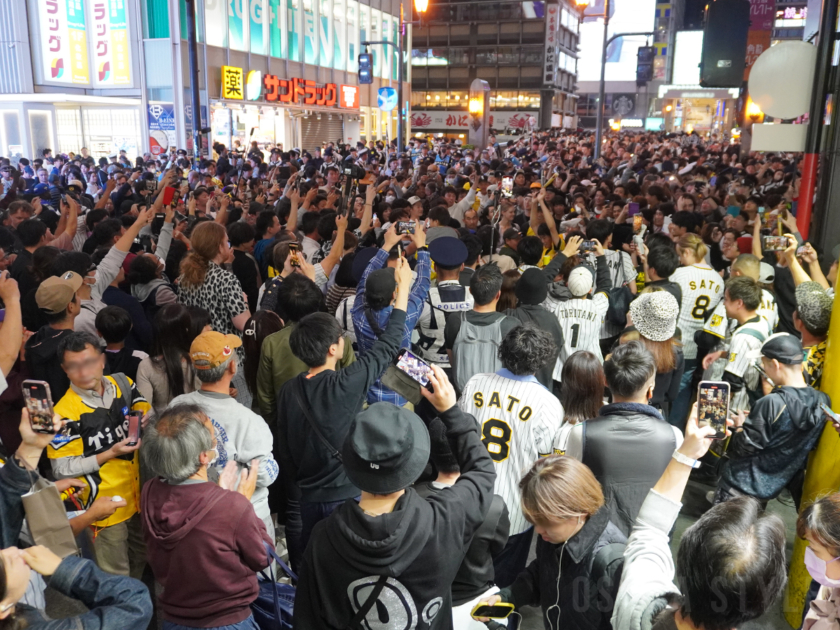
(816, 567)
(215, 456)
(390, 199)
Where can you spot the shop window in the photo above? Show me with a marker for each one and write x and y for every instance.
(486, 57)
(40, 130)
(364, 29)
(68, 127)
(156, 19)
(508, 55)
(459, 56)
(10, 128)
(324, 38)
(309, 50)
(236, 24)
(339, 35)
(352, 35)
(395, 57)
(385, 22)
(293, 24)
(275, 27)
(256, 24)
(374, 35)
(215, 22)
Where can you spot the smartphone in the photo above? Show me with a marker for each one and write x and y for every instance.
(168, 195)
(157, 223)
(831, 415)
(294, 251)
(762, 213)
(507, 187)
(632, 209)
(713, 180)
(134, 427)
(713, 406)
(414, 366)
(802, 250)
(405, 227)
(501, 610)
(775, 243)
(587, 247)
(36, 395)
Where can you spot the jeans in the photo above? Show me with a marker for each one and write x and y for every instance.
(511, 562)
(294, 532)
(680, 406)
(247, 624)
(311, 514)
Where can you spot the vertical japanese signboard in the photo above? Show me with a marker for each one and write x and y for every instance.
(552, 28)
(63, 41)
(109, 42)
(762, 14)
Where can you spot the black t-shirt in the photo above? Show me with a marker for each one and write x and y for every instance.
(785, 290)
(453, 325)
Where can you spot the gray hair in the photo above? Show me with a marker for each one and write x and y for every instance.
(172, 446)
(212, 375)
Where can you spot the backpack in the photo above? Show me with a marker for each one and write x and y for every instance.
(476, 350)
(150, 305)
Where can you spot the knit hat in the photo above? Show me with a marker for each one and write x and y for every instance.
(813, 305)
(531, 288)
(580, 281)
(655, 315)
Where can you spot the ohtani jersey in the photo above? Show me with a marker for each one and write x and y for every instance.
(94, 430)
(519, 420)
(718, 323)
(445, 298)
(746, 341)
(581, 321)
(702, 290)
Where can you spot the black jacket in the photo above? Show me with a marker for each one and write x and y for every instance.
(586, 593)
(246, 270)
(43, 361)
(335, 398)
(476, 574)
(779, 434)
(419, 546)
(627, 447)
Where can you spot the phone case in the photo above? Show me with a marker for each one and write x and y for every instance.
(403, 384)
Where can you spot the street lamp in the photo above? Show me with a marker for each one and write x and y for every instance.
(476, 109)
(421, 6)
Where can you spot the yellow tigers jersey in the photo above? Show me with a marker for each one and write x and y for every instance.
(94, 430)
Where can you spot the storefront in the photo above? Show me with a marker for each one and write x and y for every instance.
(701, 110)
(292, 112)
(456, 125)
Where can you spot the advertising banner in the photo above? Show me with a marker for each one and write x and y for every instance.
(552, 27)
(457, 121)
(161, 120)
(109, 42)
(64, 47)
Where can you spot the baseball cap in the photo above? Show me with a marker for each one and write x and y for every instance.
(655, 315)
(386, 449)
(210, 349)
(55, 293)
(783, 347)
(413, 200)
(580, 281)
(448, 251)
(75, 186)
(766, 273)
(536, 185)
(813, 306)
(380, 285)
(511, 232)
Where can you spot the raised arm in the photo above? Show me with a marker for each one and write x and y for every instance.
(337, 250)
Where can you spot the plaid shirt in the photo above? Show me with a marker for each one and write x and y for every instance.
(365, 337)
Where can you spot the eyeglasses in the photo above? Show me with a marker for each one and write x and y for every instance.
(82, 365)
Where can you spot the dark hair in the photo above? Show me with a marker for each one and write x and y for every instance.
(259, 326)
(441, 215)
(199, 318)
(745, 289)
(42, 262)
(240, 233)
(311, 339)
(142, 270)
(94, 217)
(105, 231)
(31, 231)
(77, 342)
(474, 247)
(582, 387)
(71, 261)
(344, 276)
(599, 229)
(171, 328)
(660, 239)
(113, 323)
(327, 225)
(485, 283)
(297, 297)
(526, 349)
(265, 221)
(732, 564)
(309, 222)
(628, 369)
(440, 451)
(530, 250)
(663, 260)
(684, 219)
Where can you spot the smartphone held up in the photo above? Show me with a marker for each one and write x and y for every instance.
(713, 406)
(38, 400)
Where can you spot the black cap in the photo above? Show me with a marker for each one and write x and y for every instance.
(531, 288)
(783, 347)
(380, 285)
(361, 260)
(386, 449)
(511, 232)
(448, 251)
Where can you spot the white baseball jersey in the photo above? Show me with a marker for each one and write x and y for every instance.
(622, 272)
(718, 323)
(519, 420)
(702, 290)
(746, 340)
(581, 321)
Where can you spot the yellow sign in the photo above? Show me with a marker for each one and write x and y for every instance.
(232, 83)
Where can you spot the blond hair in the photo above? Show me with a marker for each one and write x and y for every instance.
(559, 487)
(693, 243)
(206, 239)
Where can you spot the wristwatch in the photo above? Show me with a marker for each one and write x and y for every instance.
(682, 459)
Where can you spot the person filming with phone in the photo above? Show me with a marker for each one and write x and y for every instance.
(770, 447)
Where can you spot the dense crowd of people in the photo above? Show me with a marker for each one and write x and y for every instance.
(407, 364)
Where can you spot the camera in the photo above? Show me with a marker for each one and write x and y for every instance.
(353, 171)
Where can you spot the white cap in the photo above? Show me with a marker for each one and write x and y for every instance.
(413, 200)
(766, 273)
(580, 282)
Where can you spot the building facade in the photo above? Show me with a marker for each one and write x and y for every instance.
(114, 74)
(526, 51)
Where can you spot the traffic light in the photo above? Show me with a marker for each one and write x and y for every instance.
(365, 68)
(644, 64)
(725, 43)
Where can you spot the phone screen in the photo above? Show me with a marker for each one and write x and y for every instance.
(294, 251)
(38, 399)
(414, 366)
(632, 209)
(637, 224)
(507, 187)
(499, 611)
(134, 427)
(713, 406)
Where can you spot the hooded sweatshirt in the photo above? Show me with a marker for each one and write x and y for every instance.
(419, 547)
(204, 545)
(44, 364)
(780, 432)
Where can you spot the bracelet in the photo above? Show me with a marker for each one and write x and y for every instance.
(683, 459)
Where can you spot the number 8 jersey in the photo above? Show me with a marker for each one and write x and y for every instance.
(518, 420)
(702, 289)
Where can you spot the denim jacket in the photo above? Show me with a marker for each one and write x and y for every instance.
(114, 601)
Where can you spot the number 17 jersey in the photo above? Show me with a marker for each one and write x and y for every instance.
(518, 421)
(702, 289)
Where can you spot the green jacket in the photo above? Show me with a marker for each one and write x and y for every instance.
(278, 364)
